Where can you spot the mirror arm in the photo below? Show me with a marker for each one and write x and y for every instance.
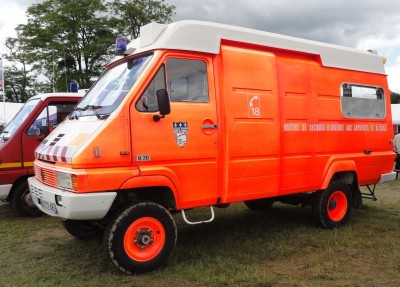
(157, 118)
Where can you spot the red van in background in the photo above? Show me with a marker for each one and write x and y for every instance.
(36, 119)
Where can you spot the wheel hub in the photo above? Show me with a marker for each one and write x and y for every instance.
(28, 200)
(332, 204)
(143, 238)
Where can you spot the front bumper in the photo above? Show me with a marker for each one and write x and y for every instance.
(4, 191)
(69, 205)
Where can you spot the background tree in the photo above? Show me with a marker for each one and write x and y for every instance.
(394, 98)
(136, 13)
(19, 79)
(68, 40)
(73, 40)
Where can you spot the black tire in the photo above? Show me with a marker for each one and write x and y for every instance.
(332, 206)
(22, 201)
(83, 229)
(259, 204)
(141, 238)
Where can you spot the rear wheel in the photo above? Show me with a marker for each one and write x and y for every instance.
(259, 204)
(332, 206)
(141, 238)
(22, 201)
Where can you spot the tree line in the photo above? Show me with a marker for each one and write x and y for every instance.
(72, 40)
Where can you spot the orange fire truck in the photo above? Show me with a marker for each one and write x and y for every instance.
(36, 119)
(197, 114)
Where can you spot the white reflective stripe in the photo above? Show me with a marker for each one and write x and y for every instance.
(70, 153)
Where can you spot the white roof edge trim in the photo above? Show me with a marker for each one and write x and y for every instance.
(200, 36)
(59, 94)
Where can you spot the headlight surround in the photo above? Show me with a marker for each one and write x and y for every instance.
(66, 180)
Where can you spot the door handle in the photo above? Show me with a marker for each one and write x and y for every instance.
(209, 126)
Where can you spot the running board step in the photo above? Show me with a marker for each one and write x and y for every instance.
(198, 222)
(369, 196)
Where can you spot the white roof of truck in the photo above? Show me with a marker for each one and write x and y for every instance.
(206, 37)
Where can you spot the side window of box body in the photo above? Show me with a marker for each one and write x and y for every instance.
(361, 101)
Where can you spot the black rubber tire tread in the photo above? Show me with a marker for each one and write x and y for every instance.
(82, 229)
(321, 201)
(116, 229)
(18, 201)
(259, 204)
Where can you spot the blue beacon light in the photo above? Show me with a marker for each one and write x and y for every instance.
(120, 46)
(73, 87)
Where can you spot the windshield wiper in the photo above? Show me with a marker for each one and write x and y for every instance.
(94, 109)
(74, 115)
(90, 107)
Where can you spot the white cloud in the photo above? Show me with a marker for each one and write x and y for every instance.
(11, 14)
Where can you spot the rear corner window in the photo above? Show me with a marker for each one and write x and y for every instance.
(359, 101)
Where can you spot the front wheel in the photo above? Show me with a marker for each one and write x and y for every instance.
(141, 238)
(332, 206)
(22, 201)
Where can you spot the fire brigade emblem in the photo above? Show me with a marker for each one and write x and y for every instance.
(181, 130)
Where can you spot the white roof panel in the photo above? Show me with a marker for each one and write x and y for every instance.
(206, 37)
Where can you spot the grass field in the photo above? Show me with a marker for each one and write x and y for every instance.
(279, 247)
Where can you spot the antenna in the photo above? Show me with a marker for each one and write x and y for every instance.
(54, 74)
(2, 91)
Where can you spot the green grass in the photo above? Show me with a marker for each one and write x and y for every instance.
(280, 247)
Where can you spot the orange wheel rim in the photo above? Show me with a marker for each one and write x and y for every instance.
(337, 206)
(144, 239)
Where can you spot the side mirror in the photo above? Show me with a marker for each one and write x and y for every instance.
(163, 104)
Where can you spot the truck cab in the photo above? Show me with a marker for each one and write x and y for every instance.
(37, 118)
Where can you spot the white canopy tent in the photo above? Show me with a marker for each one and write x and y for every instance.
(396, 114)
(8, 111)
(396, 117)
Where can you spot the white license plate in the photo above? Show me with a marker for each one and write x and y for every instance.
(48, 206)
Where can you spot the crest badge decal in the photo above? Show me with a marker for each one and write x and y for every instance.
(181, 130)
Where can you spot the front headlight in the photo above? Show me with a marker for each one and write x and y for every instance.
(64, 180)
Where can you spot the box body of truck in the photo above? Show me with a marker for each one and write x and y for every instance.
(36, 119)
(201, 114)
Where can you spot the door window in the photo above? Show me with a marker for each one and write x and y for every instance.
(187, 80)
(148, 101)
(49, 118)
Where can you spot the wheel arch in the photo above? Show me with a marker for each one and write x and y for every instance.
(346, 172)
(15, 185)
(156, 188)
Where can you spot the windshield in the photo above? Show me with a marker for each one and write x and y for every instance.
(112, 87)
(19, 118)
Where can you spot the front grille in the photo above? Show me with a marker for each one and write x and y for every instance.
(46, 176)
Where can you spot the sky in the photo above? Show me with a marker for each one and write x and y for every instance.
(361, 24)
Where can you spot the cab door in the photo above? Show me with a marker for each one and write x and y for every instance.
(183, 145)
